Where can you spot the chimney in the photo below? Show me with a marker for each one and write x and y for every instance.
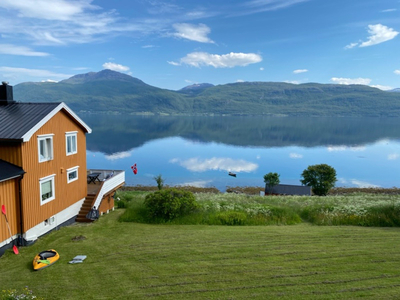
(6, 94)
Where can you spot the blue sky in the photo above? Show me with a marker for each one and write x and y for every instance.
(175, 43)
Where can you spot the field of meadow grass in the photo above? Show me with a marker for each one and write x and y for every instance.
(127, 260)
(134, 260)
(359, 208)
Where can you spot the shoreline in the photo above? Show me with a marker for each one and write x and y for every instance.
(256, 190)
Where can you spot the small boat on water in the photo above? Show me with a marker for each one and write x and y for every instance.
(45, 259)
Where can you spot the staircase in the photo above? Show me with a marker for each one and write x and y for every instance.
(86, 207)
(97, 191)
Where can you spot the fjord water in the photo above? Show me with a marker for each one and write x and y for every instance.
(201, 150)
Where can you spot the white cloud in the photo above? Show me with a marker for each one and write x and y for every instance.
(49, 10)
(389, 10)
(230, 60)
(300, 71)
(62, 22)
(216, 163)
(261, 69)
(295, 155)
(50, 80)
(14, 73)
(382, 87)
(19, 50)
(292, 81)
(379, 34)
(345, 148)
(240, 80)
(347, 81)
(118, 155)
(192, 32)
(397, 72)
(393, 156)
(350, 46)
(363, 184)
(173, 63)
(115, 67)
(269, 5)
(363, 81)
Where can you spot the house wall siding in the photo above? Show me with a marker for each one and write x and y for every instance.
(107, 203)
(11, 154)
(8, 198)
(66, 193)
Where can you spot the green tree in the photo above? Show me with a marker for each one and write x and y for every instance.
(170, 203)
(271, 180)
(160, 181)
(320, 177)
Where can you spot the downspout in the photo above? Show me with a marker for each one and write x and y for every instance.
(20, 238)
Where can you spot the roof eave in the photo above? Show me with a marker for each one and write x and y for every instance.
(27, 136)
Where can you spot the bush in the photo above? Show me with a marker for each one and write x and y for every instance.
(232, 218)
(168, 204)
(121, 204)
(321, 178)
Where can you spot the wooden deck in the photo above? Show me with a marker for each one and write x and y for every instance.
(93, 188)
(100, 193)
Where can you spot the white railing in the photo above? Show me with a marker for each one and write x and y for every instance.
(110, 183)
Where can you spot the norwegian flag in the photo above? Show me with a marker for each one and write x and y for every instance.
(134, 169)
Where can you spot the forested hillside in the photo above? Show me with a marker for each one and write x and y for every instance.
(112, 92)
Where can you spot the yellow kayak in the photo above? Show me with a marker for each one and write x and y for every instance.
(45, 259)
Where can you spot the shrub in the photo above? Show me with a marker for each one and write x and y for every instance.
(232, 218)
(121, 204)
(271, 180)
(168, 204)
(160, 181)
(321, 178)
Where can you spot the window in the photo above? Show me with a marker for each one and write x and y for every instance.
(47, 192)
(45, 143)
(72, 174)
(71, 143)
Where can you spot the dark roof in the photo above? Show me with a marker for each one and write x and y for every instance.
(9, 171)
(18, 121)
(11, 127)
(287, 189)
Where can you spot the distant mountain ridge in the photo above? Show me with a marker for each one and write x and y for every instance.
(102, 75)
(113, 92)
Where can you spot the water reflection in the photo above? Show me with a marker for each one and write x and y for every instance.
(196, 164)
(125, 132)
(201, 151)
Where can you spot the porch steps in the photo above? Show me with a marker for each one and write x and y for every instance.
(86, 206)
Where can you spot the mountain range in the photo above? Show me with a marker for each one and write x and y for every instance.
(113, 92)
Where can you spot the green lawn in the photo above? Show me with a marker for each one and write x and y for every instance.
(140, 261)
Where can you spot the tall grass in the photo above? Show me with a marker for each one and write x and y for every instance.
(360, 209)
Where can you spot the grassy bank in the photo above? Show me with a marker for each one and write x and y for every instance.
(341, 208)
(140, 261)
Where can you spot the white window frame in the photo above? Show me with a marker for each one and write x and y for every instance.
(43, 180)
(70, 135)
(72, 170)
(48, 156)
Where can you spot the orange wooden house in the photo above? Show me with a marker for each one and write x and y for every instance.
(43, 174)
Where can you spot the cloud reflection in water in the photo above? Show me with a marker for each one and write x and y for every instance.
(196, 164)
(118, 155)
